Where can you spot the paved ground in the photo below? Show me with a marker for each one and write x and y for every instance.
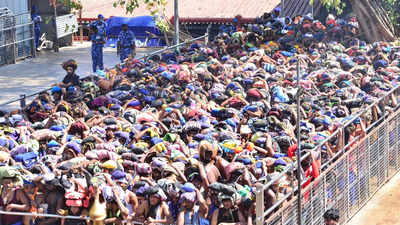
(32, 75)
(383, 208)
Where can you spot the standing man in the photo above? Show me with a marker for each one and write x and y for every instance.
(98, 38)
(276, 13)
(36, 19)
(126, 43)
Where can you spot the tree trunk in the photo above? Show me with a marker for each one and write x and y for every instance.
(374, 22)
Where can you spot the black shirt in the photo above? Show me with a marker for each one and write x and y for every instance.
(228, 215)
(74, 79)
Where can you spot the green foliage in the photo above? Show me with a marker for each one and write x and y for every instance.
(76, 4)
(335, 5)
(161, 24)
(392, 7)
(155, 8)
(73, 4)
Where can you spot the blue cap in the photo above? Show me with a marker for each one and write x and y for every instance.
(156, 140)
(144, 91)
(188, 187)
(149, 98)
(3, 142)
(122, 134)
(56, 128)
(199, 137)
(100, 16)
(167, 75)
(326, 121)
(72, 89)
(134, 103)
(118, 174)
(160, 69)
(308, 17)
(246, 161)
(55, 89)
(74, 146)
(190, 87)
(115, 107)
(53, 144)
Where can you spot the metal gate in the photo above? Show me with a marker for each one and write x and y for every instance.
(16, 36)
(348, 180)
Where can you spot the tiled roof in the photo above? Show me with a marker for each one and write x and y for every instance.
(188, 8)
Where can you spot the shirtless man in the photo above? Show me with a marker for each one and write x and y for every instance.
(55, 200)
(142, 208)
(131, 202)
(208, 171)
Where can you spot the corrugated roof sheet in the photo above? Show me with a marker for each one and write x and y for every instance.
(187, 8)
(291, 8)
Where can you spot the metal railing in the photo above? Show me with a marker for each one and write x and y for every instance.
(22, 98)
(57, 216)
(16, 37)
(347, 179)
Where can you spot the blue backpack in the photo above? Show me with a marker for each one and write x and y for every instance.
(27, 159)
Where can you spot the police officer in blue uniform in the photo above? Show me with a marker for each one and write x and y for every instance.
(36, 19)
(100, 24)
(98, 38)
(126, 43)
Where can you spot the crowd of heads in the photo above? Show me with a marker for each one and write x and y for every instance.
(186, 135)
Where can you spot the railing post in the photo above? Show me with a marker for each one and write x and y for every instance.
(22, 101)
(34, 47)
(208, 34)
(259, 204)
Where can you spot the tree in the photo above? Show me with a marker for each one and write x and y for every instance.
(375, 21)
(393, 9)
(74, 4)
(336, 5)
(155, 7)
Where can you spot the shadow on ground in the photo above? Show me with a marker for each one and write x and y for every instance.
(35, 74)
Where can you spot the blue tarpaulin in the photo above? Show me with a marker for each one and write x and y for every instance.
(138, 25)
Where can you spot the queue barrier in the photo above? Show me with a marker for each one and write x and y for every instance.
(56, 216)
(347, 180)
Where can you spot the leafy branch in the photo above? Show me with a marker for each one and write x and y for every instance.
(336, 5)
(155, 7)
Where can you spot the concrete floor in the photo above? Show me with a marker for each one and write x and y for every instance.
(383, 208)
(35, 74)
